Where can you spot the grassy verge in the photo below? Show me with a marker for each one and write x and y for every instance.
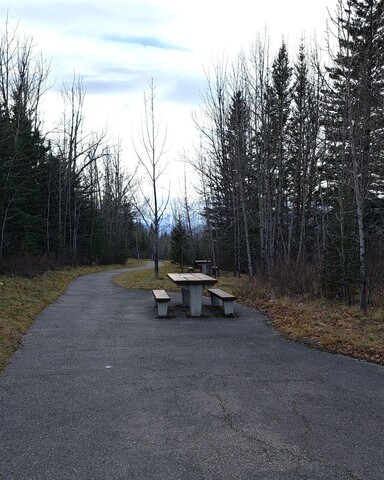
(145, 280)
(327, 325)
(330, 326)
(22, 299)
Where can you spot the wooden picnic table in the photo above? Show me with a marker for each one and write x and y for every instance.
(192, 286)
(202, 264)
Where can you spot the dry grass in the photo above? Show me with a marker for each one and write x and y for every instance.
(22, 299)
(329, 326)
(145, 279)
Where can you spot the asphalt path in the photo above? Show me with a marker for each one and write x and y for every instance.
(102, 389)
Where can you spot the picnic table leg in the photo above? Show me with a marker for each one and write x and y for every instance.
(196, 300)
(185, 296)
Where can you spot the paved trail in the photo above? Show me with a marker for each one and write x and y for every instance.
(102, 390)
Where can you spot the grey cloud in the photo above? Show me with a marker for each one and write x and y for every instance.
(76, 17)
(144, 41)
(54, 13)
(112, 81)
(102, 85)
(182, 90)
(186, 90)
(109, 87)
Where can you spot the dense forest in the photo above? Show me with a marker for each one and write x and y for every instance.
(65, 197)
(290, 160)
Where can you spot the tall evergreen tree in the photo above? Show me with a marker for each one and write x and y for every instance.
(179, 243)
(238, 142)
(301, 168)
(279, 97)
(358, 93)
(22, 159)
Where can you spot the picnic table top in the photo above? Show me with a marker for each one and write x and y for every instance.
(191, 278)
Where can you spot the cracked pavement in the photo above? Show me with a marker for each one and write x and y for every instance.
(102, 389)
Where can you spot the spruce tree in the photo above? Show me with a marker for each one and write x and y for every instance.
(279, 97)
(239, 157)
(301, 168)
(179, 241)
(22, 160)
(358, 94)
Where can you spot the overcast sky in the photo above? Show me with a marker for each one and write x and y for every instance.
(117, 46)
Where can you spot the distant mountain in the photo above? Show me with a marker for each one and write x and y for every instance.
(166, 224)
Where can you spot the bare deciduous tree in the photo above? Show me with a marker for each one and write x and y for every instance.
(77, 149)
(150, 157)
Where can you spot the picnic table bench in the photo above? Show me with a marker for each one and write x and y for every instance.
(161, 301)
(219, 296)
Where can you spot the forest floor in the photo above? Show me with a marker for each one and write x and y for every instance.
(323, 324)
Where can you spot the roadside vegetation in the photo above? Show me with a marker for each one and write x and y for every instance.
(322, 324)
